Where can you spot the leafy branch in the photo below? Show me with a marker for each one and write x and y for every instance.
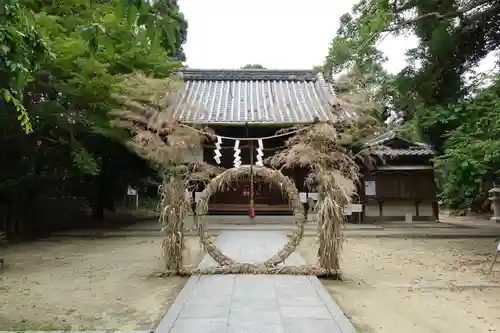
(21, 52)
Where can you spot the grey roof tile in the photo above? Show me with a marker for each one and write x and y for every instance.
(381, 146)
(413, 151)
(256, 96)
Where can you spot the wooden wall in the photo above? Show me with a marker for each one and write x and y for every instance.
(400, 193)
(416, 185)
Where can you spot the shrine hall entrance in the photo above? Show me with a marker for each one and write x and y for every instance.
(236, 200)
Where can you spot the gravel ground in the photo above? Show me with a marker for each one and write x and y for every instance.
(87, 284)
(417, 285)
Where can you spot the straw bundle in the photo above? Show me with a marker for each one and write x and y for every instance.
(254, 270)
(223, 181)
(146, 109)
(333, 152)
(335, 191)
(173, 207)
(323, 149)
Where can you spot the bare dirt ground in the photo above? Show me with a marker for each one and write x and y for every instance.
(87, 283)
(417, 285)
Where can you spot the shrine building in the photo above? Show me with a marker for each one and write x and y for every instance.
(258, 102)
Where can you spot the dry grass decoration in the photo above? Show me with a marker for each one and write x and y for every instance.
(146, 110)
(332, 152)
(272, 265)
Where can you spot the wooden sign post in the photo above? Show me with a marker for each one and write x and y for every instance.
(132, 198)
(494, 258)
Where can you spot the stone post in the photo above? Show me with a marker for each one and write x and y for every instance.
(494, 197)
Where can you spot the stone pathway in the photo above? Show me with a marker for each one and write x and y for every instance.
(254, 303)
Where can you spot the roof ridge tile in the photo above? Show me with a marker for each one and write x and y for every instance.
(189, 74)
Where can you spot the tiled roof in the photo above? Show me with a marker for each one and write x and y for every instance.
(413, 151)
(256, 96)
(381, 146)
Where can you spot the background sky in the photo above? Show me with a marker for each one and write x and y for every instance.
(278, 34)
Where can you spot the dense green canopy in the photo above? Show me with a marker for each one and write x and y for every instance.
(436, 95)
(60, 63)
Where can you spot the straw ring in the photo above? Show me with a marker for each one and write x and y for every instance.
(221, 182)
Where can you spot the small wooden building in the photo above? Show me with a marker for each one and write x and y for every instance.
(401, 185)
(259, 102)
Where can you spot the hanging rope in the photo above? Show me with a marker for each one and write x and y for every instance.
(247, 139)
(237, 152)
(260, 154)
(217, 153)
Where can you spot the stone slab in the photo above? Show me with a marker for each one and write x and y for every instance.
(111, 331)
(173, 313)
(200, 325)
(32, 331)
(254, 303)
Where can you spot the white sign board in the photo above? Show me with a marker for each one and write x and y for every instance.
(197, 196)
(303, 197)
(188, 195)
(370, 187)
(314, 196)
(498, 247)
(347, 210)
(356, 208)
(131, 191)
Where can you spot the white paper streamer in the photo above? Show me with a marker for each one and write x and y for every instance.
(217, 154)
(237, 151)
(260, 154)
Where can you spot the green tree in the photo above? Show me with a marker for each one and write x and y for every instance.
(73, 149)
(453, 37)
(253, 66)
(432, 95)
(162, 20)
(353, 53)
(470, 163)
(21, 52)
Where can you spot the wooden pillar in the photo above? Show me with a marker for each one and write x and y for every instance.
(251, 208)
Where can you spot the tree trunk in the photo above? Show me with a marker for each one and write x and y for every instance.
(100, 193)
